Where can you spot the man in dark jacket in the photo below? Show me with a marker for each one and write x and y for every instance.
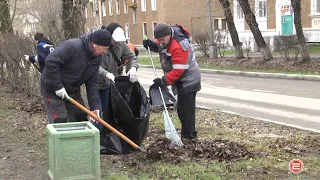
(44, 48)
(112, 66)
(73, 63)
(181, 71)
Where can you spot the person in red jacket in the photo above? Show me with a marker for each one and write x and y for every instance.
(181, 71)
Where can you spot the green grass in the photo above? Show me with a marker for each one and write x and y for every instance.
(146, 61)
(230, 68)
(312, 49)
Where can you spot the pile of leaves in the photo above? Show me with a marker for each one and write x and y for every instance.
(222, 150)
(37, 106)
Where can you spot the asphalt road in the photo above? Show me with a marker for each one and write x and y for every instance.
(294, 103)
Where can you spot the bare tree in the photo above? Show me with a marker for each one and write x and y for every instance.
(58, 20)
(73, 17)
(296, 5)
(201, 38)
(5, 20)
(232, 28)
(254, 27)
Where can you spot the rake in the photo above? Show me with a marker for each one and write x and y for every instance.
(170, 130)
(84, 109)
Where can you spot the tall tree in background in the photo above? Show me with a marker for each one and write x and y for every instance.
(254, 27)
(296, 5)
(5, 21)
(73, 17)
(232, 28)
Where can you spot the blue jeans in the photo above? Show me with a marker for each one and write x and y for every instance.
(104, 101)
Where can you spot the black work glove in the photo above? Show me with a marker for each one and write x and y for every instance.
(146, 43)
(159, 82)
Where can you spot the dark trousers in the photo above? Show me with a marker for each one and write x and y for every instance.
(104, 95)
(186, 108)
(62, 111)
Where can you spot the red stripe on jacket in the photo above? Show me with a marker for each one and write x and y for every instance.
(178, 56)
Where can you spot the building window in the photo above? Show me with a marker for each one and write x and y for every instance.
(318, 6)
(125, 10)
(118, 7)
(134, 16)
(315, 7)
(153, 5)
(220, 24)
(223, 24)
(262, 8)
(239, 11)
(104, 9)
(127, 30)
(216, 24)
(144, 29)
(110, 8)
(143, 5)
(153, 26)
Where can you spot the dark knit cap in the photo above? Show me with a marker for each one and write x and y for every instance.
(38, 36)
(112, 26)
(103, 27)
(161, 30)
(101, 37)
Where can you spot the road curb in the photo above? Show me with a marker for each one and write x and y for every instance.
(255, 74)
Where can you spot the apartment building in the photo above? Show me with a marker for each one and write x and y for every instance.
(138, 17)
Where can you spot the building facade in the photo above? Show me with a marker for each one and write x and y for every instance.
(138, 17)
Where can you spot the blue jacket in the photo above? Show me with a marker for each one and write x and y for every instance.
(43, 50)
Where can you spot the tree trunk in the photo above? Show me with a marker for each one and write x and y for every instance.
(6, 24)
(73, 18)
(296, 4)
(254, 27)
(232, 28)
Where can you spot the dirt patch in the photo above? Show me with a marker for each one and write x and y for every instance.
(22, 138)
(222, 150)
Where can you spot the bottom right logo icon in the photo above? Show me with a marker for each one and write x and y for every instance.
(295, 166)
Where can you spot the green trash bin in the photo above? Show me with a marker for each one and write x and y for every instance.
(73, 151)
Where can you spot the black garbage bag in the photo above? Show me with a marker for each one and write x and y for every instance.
(155, 97)
(130, 112)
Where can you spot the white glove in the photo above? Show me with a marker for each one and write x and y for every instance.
(62, 93)
(132, 73)
(110, 76)
(97, 113)
(26, 57)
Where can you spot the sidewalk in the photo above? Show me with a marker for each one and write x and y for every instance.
(255, 74)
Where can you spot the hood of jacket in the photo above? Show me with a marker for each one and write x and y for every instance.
(86, 42)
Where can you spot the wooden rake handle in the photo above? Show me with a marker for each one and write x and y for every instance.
(35, 66)
(105, 124)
